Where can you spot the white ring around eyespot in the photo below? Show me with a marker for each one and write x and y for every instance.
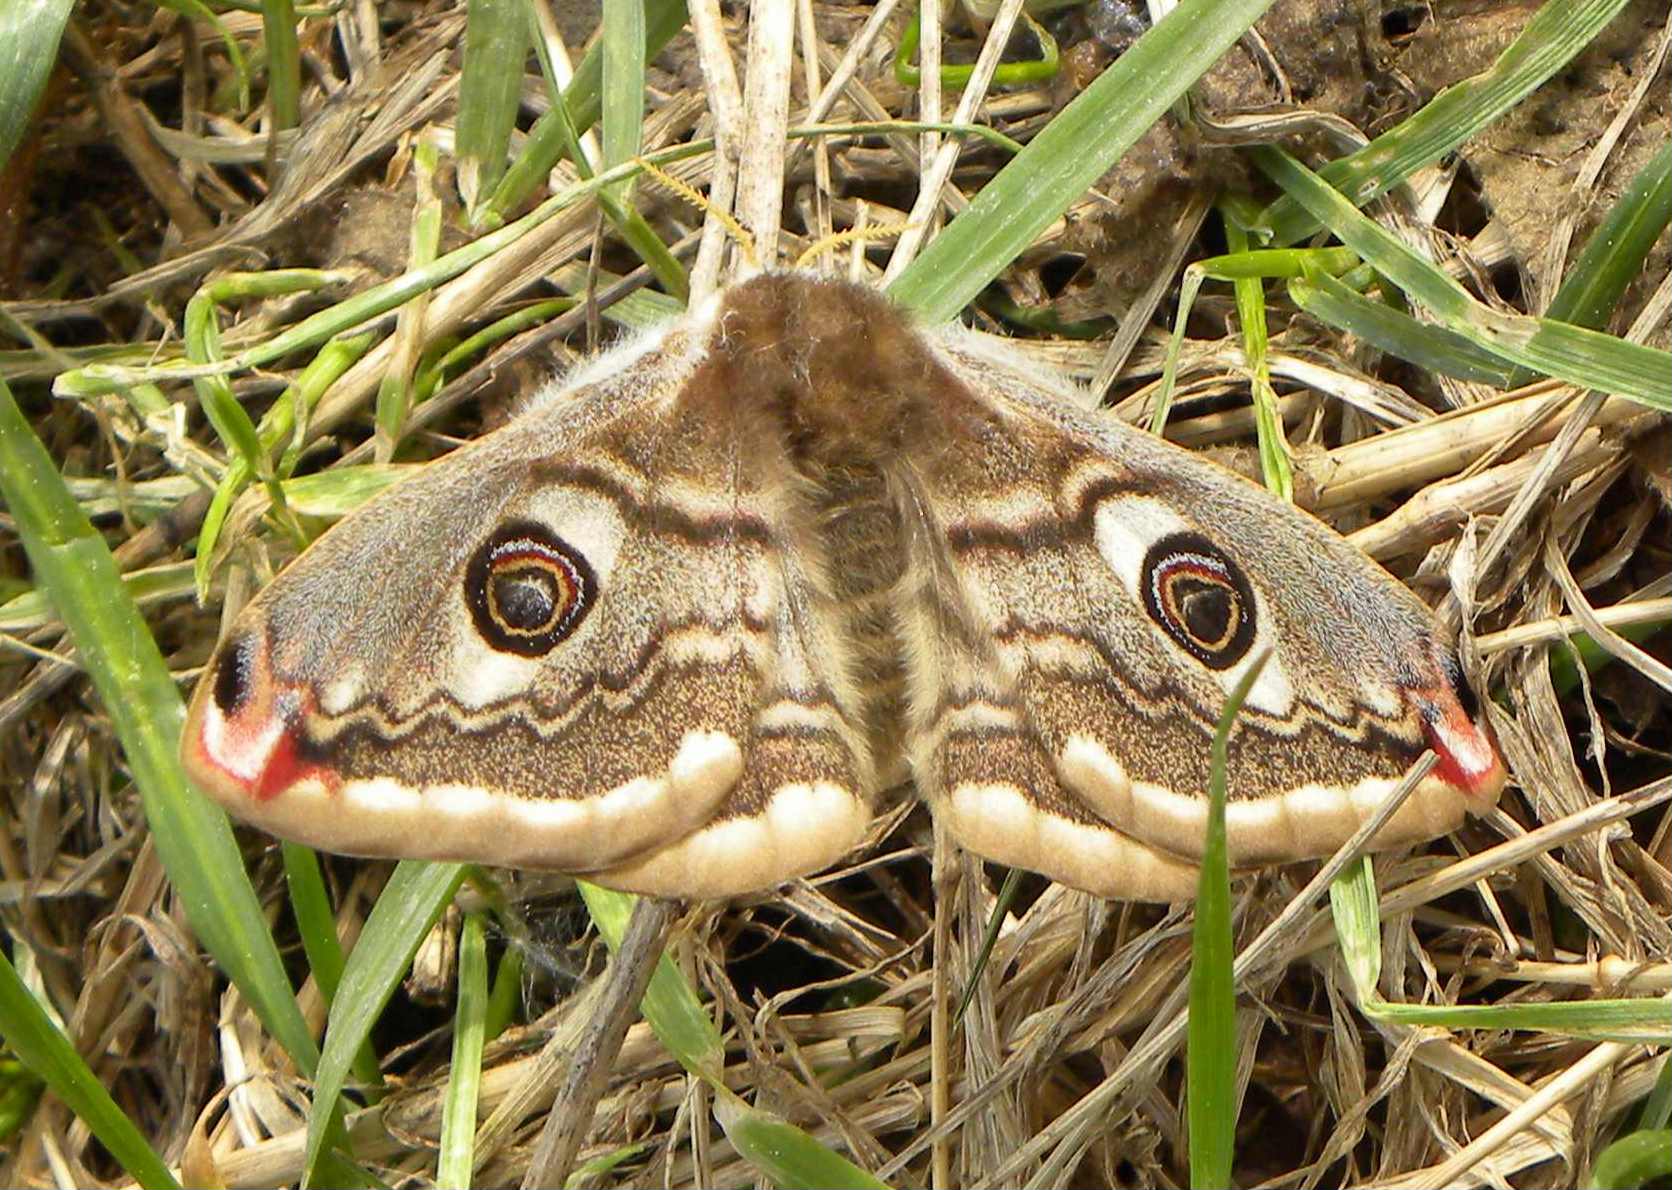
(587, 523)
(1124, 528)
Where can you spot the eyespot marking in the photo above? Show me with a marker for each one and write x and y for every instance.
(1199, 597)
(527, 589)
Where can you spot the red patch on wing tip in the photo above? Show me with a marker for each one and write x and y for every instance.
(1469, 758)
(255, 747)
(286, 765)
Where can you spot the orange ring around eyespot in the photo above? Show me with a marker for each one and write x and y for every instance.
(515, 547)
(1191, 555)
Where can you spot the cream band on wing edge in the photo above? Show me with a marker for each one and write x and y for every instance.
(804, 828)
(381, 817)
(1303, 823)
(1001, 823)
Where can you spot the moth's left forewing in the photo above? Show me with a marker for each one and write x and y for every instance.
(1115, 588)
(380, 698)
(398, 691)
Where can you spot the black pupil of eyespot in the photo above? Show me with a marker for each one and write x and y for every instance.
(1196, 593)
(527, 598)
(1206, 607)
(527, 589)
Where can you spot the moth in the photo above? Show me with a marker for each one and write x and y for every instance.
(677, 626)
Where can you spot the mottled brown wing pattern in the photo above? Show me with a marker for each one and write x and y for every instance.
(675, 625)
(1109, 591)
(395, 691)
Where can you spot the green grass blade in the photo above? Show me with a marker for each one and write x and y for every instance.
(29, 34)
(312, 906)
(395, 389)
(335, 493)
(670, 1003)
(623, 92)
(20, 1094)
(1211, 1052)
(989, 938)
(1275, 467)
(31, 609)
(1418, 278)
(1260, 263)
(249, 447)
(505, 1000)
(1069, 154)
(1431, 347)
(456, 356)
(283, 425)
(1358, 926)
(74, 567)
(1636, 1022)
(490, 88)
(1266, 264)
(1656, 1110)
(1583, 357)
(464, 1076)
(1188, 289)
(954, 77)
(588, 1173)
(284, 62)
(317, 925)
(1579, 356)
(416, 894)
(548, 141)
(783, 1152)
(623, 40)
(231, 421)
(1615, 253)
(46, 1051)
(1550, 40)
(1640, 1159)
